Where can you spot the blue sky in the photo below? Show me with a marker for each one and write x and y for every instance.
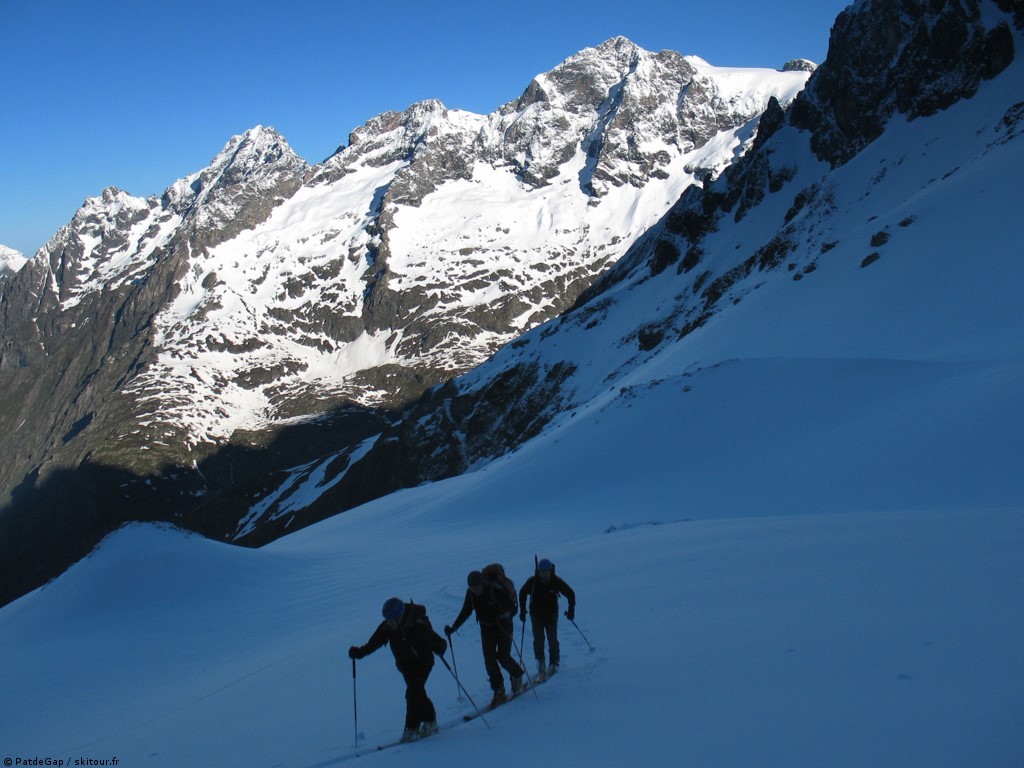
(137, 94)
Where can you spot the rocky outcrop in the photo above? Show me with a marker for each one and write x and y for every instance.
(912, 58)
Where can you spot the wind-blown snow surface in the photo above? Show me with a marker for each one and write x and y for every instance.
(795, 535)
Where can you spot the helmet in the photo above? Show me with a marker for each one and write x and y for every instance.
(475, 579)
(545, 565)
(393, 608)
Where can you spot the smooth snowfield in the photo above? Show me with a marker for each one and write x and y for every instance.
(875, 637)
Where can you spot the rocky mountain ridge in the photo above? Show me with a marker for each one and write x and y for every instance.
(790, 205)
(156, 352)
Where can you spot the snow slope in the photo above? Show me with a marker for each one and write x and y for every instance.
(795, 533)
(885, 638)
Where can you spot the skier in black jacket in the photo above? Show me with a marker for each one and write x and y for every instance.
(413, 642)
(494, 611)
(543, 589)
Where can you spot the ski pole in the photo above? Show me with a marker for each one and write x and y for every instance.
(463, 689)
(592, 648)
(455, 674)
(522, 608)
(355, 707)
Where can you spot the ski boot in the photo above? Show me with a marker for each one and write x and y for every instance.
(409, 734)
(500, 697)
(517, 685)
(428, 729)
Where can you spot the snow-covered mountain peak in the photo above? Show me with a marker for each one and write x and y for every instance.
(400, 137)
(587, 78)
(258, 149)
(10, 261)
(620, 47)
(254, 143)
(259, 156)
(396, 135)
(105, 242)
(415, 119)
(799, 65)
(635, 111)
(108, 204)
(115, 236)
(584, 81)
(259, 291)
(357, 252)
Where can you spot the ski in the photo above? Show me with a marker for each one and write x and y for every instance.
(491, 707)
(465, 719)
(398, 743)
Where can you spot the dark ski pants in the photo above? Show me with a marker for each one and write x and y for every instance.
(418, 706)
(545, 625)
(497, 645)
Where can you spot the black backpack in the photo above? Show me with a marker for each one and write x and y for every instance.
(416, 631)
(502, 585)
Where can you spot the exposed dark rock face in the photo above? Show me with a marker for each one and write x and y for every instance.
(912, 57)
(440, 436)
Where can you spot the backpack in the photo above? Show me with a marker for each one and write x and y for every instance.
(417, 632)
(495, 575)
(413, 615)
